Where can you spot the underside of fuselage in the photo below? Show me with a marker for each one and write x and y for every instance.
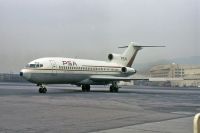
(61, 78)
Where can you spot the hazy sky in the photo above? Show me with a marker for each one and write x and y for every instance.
(30, 29)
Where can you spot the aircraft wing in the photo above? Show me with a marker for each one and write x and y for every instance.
(99, 78)
(165, 79)
(109, 78)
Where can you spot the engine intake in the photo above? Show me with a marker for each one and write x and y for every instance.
(124, 69)
(114, 57)
(128, 70)
(110, 56)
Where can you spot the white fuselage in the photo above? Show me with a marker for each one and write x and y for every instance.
(58, 70)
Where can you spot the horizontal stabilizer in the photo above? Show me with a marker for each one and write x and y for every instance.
(140, 46)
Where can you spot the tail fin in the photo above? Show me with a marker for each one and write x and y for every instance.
(128, 56)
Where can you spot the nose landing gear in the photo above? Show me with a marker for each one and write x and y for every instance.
(42, 89)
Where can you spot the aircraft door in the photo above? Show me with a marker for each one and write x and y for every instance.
(54, 67)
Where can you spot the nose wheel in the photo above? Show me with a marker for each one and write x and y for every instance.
(42, 89)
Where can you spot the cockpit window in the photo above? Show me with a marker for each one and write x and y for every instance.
(34, 65)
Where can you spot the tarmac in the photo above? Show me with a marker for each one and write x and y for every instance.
(180, 125)
(65, 108)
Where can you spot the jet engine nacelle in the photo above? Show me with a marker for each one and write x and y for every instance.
(128, 70)
(112, 57)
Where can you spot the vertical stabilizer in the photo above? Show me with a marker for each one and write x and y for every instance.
(130, 54)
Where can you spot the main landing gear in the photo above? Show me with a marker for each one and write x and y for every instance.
(42, 89)
(85, 88)
(114, 87)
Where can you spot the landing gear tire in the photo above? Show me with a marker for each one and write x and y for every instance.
(114, 88)
(85, 88)
(42, 90)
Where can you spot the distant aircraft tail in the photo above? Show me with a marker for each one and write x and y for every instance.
(128, 56)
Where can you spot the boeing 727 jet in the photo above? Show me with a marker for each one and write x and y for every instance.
(81, 72)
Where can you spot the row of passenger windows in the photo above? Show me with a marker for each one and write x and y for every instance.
(87, 68)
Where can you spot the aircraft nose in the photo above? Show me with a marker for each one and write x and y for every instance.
(25, 74)
(21, 74)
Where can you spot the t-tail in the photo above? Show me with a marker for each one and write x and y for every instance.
(128, 56)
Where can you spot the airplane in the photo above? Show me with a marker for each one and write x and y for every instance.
(82, 72)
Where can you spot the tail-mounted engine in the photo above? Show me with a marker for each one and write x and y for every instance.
(112, 57)
(128, 70)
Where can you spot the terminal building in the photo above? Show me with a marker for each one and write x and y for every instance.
(179, 75)
(5, 77)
